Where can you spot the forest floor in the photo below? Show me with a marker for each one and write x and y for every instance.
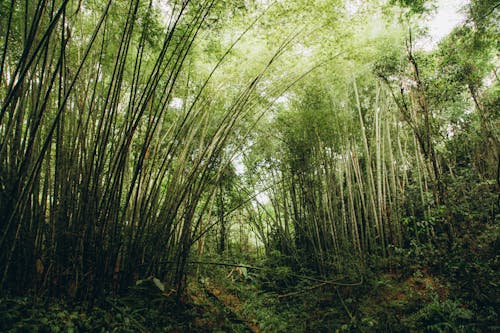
(257, 302)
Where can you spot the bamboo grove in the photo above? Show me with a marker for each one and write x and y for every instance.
(117, 150)
(103, 180)
(363, 161)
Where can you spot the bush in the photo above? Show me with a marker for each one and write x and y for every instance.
(441, 316)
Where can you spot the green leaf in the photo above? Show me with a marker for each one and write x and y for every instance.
(159, 284)
(244, 272)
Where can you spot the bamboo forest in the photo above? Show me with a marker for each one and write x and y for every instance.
(249, 166)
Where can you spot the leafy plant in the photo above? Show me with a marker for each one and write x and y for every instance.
(441, 316)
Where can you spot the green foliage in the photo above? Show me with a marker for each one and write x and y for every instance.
(275, 316)
(26, 315)
(143, 309)
(485, 14)
(415, 6)
(441, 316)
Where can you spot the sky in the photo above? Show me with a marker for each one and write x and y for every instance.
(447, 16)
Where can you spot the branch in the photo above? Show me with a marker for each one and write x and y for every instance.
(302, 291)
